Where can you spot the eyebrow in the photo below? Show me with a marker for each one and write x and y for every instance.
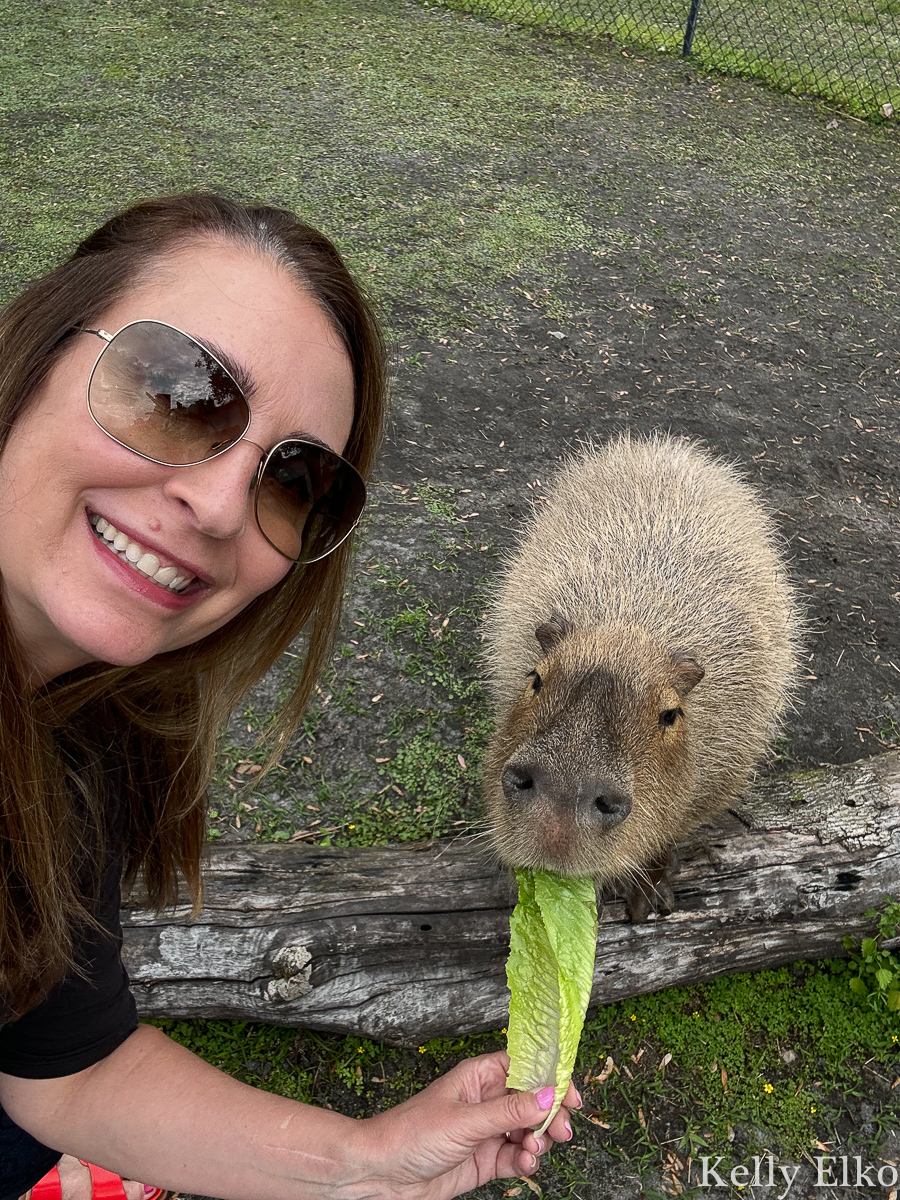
(238, 372)
(247, 383)
(301, 435)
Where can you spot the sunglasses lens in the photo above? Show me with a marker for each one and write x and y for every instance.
(157, 391)
(308, 500)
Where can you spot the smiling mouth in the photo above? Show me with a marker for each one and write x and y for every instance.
(133, 554)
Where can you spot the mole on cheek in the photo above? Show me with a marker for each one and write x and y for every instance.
(154, 524)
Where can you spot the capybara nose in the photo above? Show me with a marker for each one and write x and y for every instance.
(602, 803)
(599, 802)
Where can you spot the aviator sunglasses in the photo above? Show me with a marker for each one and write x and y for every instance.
(158, 392)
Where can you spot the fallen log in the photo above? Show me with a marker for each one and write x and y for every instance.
(403, 944)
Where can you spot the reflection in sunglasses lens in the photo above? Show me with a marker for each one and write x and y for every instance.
(158, 392)
(308, 500)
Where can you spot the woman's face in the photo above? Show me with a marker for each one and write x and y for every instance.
(71, 598)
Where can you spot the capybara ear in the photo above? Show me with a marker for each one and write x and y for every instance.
(687, 673)
(552, 632)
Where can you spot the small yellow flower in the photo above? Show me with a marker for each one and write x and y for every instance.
(504, 1030)
(893, 1037)
(633, 1017)
(359, 1049)
(812, 1108)
(351, 826)
(768, 1088)
(421, 1049)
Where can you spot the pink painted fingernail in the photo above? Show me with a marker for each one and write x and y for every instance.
(578, 1094)
(149, 1189)
(567, 1127)
(545, 1097)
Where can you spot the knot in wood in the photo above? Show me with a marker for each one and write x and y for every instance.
(294, 967)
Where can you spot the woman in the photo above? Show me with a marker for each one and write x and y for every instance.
(189, 407)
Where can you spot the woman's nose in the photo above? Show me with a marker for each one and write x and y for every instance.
(218, 492)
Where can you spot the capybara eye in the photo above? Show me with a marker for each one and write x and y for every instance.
(535, 681)
(669, 716)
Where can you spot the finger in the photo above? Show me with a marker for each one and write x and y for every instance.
(494, 1117)
(572, 1098)
(537, 1145)
(526, 1163)
(560, 1128)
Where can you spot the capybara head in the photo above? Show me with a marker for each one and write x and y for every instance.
(591, 771)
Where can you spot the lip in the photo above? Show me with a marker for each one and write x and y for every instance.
(174, 601)
(155, 548)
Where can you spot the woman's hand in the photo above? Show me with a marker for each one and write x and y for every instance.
(461, 1131)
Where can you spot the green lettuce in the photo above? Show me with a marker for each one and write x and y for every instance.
(553, 940)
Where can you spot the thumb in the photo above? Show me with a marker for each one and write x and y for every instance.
(516, 1110)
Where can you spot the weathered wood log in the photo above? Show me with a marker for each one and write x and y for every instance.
(409, 943)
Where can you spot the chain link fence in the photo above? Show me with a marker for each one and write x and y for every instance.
(845, 53)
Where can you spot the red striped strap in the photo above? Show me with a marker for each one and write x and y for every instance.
(48, 1188)
(105, 1185)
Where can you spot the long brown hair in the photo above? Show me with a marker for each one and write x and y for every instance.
(166, 713)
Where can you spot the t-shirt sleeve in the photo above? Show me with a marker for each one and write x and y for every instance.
(83, 1019)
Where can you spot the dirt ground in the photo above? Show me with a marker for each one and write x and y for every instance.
(729, 279)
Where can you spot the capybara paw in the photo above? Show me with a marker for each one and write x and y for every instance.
(652, 893)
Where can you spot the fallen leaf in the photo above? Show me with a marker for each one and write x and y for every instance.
(664, 1061)
(608, 1067)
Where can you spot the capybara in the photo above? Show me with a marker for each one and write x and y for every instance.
(641, 645)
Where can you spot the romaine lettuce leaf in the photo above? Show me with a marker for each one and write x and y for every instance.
(553, 940)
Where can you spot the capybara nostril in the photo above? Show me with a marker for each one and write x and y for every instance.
(611, 805)
(519, 783)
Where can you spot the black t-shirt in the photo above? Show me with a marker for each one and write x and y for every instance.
(81, 1021)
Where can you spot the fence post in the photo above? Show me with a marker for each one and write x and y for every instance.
(690, 28)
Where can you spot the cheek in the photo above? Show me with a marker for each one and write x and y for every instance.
(260, 570)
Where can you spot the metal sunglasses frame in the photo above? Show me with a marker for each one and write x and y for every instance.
(265, 456)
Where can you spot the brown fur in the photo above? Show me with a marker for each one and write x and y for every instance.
(649, 605)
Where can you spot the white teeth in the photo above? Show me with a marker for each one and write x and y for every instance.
(142, 560)
(147, 564)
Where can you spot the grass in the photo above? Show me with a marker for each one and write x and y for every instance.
(846, 55)
(746, 1064)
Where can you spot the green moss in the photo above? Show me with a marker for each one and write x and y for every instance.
(732, 1067)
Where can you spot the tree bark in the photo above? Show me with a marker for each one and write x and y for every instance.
(404, 944)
